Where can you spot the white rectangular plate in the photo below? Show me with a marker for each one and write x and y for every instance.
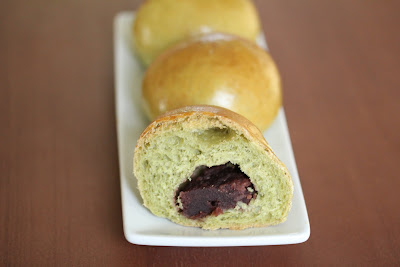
(140, 225)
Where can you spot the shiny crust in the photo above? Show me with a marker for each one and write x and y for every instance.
(215, 69)
(162, 23)
(229, 118)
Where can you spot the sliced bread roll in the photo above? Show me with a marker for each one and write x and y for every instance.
(209, 167)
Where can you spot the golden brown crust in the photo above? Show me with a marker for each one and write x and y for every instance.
(215, 69)
(232, 120)
(162, 23)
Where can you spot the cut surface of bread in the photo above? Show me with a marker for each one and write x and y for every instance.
(175, 144)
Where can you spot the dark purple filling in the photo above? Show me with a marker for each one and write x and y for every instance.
(213, 190)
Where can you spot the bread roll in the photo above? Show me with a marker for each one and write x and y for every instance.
(162, 23)
(178, 154)
(215, 69)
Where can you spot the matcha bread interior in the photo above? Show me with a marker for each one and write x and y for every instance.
(208, 167)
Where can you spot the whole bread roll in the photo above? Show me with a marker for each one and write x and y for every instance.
(215, 69)
(162, 23)
(209, 167)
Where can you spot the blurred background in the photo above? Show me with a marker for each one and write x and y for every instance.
(59, 177)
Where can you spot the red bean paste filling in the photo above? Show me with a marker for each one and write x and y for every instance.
(213, 190)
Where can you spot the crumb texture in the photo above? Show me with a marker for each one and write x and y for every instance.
(168, 155)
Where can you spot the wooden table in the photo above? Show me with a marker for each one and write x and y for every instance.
(59, 179)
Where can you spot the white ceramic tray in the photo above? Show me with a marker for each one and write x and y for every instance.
(140, 225)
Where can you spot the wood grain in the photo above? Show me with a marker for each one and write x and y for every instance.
(59, 179)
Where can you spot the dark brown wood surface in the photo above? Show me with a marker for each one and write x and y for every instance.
(59, 178)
